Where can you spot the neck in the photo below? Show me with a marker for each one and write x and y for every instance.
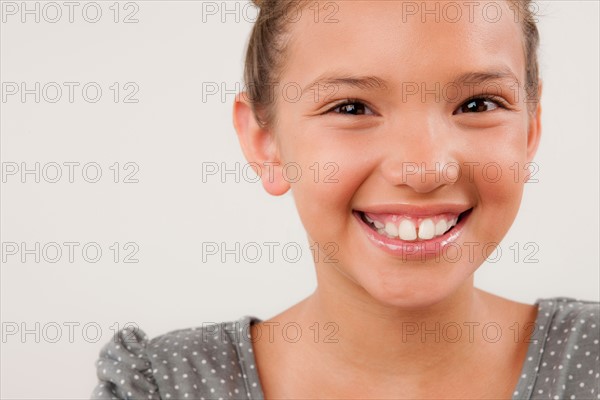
(388, 351)
(414, 340)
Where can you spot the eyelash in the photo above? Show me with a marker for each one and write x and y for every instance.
(501, 103)
(345, 103)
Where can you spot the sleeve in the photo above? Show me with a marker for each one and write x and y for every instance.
(124, 370)
(582, 353)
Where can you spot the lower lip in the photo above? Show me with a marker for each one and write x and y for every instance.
(414, 250)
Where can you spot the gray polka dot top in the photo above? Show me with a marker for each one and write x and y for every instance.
(216, 361)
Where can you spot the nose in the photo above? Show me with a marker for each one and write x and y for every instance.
(420, 155)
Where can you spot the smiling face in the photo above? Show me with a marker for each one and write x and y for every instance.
(403, 126)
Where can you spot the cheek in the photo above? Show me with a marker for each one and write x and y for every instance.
(499, 172)
(331, 174)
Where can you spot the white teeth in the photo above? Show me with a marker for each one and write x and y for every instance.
(441, 227)
(391, 229)
(407, 230)
(426, 229)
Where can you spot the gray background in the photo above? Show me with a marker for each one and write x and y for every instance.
(169, 133)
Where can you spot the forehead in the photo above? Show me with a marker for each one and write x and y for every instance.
(405, 40)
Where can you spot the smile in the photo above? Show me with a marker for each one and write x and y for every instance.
(409, 228)
(411, 235)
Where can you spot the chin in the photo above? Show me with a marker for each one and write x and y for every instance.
(415, 292)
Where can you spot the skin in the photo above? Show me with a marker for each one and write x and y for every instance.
(369, 295)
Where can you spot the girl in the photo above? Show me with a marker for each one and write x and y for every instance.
(422, 109)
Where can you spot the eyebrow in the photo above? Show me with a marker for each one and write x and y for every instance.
(502, 73)
(359, 82)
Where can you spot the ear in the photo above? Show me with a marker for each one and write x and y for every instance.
(534, 131)
(259, 147)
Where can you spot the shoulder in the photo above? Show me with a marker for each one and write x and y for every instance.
(565, 348)
(124, 369)
(564, 308)
(570, 322)
(209, 359)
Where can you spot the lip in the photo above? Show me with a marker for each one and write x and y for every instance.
(416, 211)
(416, 250)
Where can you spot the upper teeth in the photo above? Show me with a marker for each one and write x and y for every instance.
(426, 229)
(391, 229)
(406, 229)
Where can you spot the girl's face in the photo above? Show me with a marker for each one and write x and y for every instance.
(437, 124)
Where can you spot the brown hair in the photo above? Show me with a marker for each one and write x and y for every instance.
(270, 37)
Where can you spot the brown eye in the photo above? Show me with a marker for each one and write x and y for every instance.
(478, 105)
(352, 108)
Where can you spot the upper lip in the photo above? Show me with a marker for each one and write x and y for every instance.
(415, 210)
